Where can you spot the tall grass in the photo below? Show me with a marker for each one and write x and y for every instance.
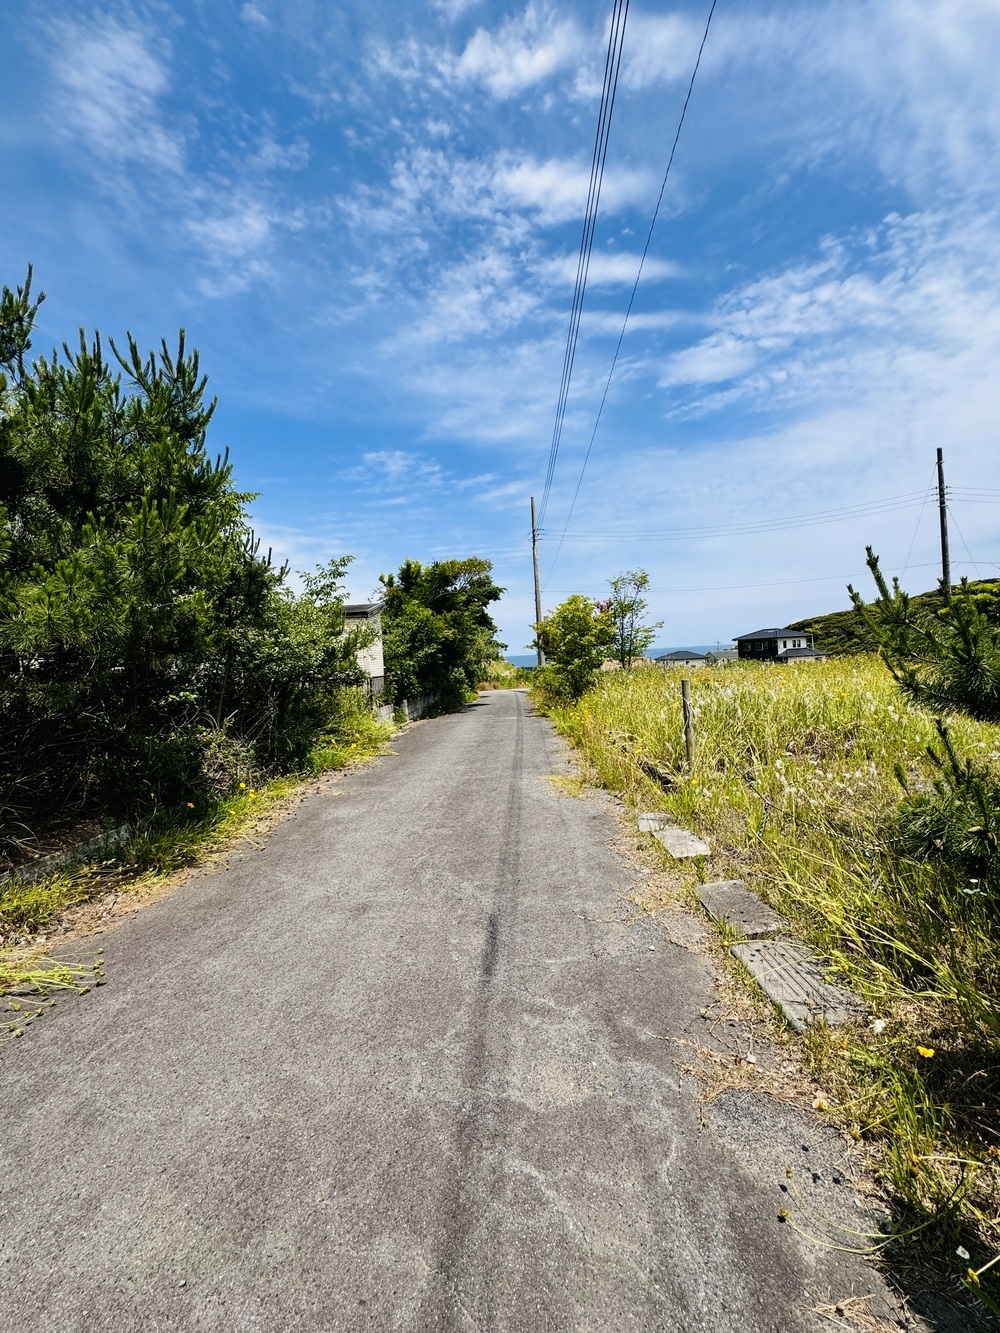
(504, 675)
(793, 784)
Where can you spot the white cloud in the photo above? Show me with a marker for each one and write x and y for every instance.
(606, 270)
(556, 189)
(399, 467)
(524, 51)
(236, 234)
(922, 74)
(453, 8)
(110, 84)
(659, 48)
(910, 298)
(720, 357)
(251, 14)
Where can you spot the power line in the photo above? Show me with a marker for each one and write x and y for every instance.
(890, 504)
(777, 583)
(916, 529)
(965, 544)
(612, 64)
(635, 285)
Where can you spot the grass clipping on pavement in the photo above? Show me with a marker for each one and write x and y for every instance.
(793, 785)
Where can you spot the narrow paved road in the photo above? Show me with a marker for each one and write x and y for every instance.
(397, 1070)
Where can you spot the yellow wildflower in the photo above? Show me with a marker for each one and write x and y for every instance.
(190, 805)
(243, 786)
(925, 1051)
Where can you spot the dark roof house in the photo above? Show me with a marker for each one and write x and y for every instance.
(683, 656)
(777, 645)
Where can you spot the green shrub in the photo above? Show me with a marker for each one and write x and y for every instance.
(150, 655)
(575, 638)
(438, 637)
(958, 821)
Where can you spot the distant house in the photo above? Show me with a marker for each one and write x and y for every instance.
(370, 657)
(683, 657)
(777, 645)
(721, 655)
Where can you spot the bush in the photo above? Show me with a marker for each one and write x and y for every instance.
(575, 639)
(958, 821)
(438, 637)
(149, 653)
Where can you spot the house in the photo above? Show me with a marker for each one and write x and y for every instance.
(721, 655)
(777, 645)
(683, 657)
(370, 657)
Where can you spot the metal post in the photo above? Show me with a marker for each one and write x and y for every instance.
(943, 515)
(538, 590)
(688, 723)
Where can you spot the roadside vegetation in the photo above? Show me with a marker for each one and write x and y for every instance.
(157, 669)
(503, 675)
(439, 639)
(151, 656)
(860, 797)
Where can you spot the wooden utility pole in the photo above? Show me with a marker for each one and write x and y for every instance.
(538, 588)
(688, 723)
(943, 515)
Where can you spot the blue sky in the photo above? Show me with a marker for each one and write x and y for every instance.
(366, 217)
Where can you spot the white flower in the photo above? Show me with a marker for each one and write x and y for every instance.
(879, 1026)
(962, 1252)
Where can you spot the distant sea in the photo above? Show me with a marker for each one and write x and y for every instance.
(528, 659)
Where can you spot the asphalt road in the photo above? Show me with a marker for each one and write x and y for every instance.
(406, 1066)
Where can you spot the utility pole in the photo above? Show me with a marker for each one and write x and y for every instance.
(943, 515)
(538, 589)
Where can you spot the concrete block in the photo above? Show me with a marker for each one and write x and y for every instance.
(652, 823)
(792, 976)
(730, 901)
(681, 844)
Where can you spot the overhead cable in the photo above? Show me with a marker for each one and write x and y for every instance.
(635, 285)
(775, 583)
(890, 504)
(612, 64)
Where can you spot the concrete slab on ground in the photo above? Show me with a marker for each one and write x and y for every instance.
(792, 976)
(652, 822)
(731, 902)
(682, 844)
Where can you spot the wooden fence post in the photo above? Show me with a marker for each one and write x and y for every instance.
(688, 723)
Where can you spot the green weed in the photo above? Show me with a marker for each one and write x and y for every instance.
(795, 786)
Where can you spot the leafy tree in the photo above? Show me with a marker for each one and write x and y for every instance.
(627, 608)
(575, 639)
(438, 637)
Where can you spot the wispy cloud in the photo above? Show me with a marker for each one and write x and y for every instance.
(110, 82)
(254, 16)
(607, 269)
(523, 51)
